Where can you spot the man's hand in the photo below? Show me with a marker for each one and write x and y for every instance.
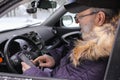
(24, 66)
(45, 61)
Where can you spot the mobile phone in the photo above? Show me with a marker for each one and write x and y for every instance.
(26, 60)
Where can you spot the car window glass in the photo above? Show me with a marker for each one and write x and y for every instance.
(22, 18)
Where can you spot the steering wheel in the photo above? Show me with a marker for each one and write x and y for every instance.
(16, 45)
(71, 37)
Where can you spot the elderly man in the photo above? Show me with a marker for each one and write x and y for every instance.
(88, 59)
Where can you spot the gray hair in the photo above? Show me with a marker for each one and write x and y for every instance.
(111, 14)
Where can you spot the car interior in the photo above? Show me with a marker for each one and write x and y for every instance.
(112, 71)
(35, 39)
(38, 39)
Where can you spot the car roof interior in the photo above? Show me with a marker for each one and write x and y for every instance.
(113, 67)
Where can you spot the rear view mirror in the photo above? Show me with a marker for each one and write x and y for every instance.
(46, 4)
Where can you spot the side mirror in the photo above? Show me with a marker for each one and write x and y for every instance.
(46, 4)
(67, 20)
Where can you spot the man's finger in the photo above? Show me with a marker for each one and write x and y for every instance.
(39, 60)
(43, 65)
(25, 66)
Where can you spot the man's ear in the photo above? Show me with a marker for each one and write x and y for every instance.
(100, 18)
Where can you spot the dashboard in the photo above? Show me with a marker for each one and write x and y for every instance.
(38, 35)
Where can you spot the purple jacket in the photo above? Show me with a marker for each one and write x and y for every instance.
(87, 70)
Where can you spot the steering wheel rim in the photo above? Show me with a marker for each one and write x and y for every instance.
(65, 36)
(7, 53)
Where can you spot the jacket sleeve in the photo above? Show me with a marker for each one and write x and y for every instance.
(36, 72)
(91, 71)
(59, 53)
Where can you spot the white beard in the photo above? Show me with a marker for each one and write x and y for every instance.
(98, 44)
(86, 30)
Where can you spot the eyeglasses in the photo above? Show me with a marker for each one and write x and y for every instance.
(80, 17)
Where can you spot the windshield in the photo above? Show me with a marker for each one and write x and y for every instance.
(27, 14)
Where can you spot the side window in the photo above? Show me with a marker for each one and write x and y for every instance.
(68, 20)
